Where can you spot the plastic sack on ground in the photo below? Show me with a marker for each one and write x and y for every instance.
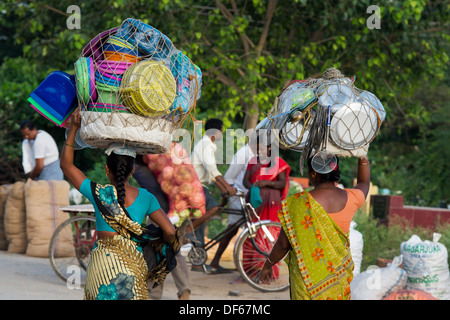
(376, 283)
(179, 181)
(406, 294)
(356, 247)
(426, 265)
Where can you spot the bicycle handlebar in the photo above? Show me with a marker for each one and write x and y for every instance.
(239, 193)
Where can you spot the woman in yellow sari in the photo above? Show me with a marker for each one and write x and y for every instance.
(314, 237)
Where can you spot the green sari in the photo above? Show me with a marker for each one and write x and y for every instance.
(320, 263)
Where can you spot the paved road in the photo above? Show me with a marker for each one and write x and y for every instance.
(29, 278)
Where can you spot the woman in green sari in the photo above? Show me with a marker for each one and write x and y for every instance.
(314, 238)
(117, 269)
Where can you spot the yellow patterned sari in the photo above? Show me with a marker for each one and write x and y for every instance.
(320, 263)
(117, 269)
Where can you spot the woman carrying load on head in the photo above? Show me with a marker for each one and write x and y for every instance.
(117, 269)
(315, 235)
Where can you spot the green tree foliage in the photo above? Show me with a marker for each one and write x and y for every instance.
(248, 51)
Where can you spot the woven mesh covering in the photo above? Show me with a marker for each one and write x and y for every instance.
(299, 114)
(134, 87)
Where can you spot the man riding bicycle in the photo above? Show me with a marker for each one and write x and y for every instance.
(204, 162)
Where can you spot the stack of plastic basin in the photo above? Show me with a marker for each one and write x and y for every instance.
(56, 97)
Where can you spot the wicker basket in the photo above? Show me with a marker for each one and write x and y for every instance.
(147, 135)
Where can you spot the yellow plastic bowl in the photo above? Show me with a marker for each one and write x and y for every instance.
(148, 88)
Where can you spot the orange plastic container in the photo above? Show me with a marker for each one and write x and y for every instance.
(119, 56)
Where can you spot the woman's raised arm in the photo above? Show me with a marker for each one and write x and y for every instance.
(363, 175)
(72, 173)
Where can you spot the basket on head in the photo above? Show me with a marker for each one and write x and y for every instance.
(102, 127)
(300, 113)
(143, 88)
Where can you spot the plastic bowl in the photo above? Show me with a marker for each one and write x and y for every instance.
(57, 94)
(119, 42)
(108, 79)
(113, 67)
(107, 70)
(85, 80)
(108, 94)
(108, 76)
(94, 47)
(116, 48)
(92, 91)
(121, 57)
(42, 111)
(148, 88)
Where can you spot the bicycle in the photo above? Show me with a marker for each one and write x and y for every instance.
(80, 230)
(251, 249)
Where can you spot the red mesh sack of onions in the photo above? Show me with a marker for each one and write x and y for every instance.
(179, 181)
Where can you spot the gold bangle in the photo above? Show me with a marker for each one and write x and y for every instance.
(69, 145)
(272, 263)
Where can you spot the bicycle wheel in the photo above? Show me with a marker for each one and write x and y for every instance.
(70, 248)
(250, 253)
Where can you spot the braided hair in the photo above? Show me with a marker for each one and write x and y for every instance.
(332, 176)
(121, 167)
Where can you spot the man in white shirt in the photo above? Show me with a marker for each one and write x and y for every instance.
(40, 153)
(204, 162)
(234, 176)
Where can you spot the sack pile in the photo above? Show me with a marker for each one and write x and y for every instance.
(421, 272)
(4, 191)
(31, 215)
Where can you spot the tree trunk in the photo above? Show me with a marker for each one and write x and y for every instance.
(252, 113)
